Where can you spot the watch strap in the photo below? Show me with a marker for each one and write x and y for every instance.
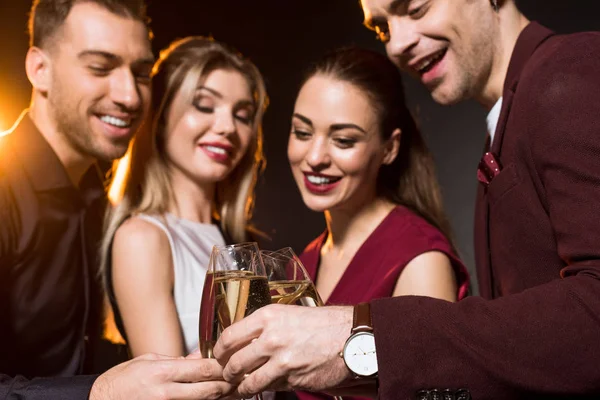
(362, 318)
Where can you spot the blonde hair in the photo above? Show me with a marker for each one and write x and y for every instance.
(141, 181)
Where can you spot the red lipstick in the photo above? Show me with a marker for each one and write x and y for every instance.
(220, 152)
(320, 183)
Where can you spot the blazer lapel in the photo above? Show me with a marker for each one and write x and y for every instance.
(482, 255)
(532, 36)
(530, 39)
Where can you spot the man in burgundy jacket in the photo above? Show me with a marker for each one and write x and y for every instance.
(535, 332)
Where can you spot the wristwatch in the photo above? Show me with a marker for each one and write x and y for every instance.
(359, 351)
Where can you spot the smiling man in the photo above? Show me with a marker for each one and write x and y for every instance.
(89, 63)
(534, 331)
(90, 76)
(457, 49)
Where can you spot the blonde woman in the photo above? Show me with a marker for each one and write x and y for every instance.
(187, 184)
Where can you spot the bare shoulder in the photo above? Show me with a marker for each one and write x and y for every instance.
(428, 274)
(137, 232)
(431, 261)
(142, 249)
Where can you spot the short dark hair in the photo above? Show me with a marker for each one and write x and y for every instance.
(47, 16)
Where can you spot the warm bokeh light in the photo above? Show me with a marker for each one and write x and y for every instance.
(115, 193)
(8, 112)
(3, 124)
(111, 332)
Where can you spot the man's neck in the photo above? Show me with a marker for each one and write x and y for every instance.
(511, 24)
(75, 163)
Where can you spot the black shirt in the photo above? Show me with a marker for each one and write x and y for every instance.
(50, 292)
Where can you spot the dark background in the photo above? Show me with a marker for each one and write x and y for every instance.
(282, 37)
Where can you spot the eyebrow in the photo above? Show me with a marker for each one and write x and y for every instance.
(339, 127)
(98, 53)
(218, 95)
(333, 127)
(304, 119)
(212, 91)
(371, 22)
(394, 5)
(113, 57)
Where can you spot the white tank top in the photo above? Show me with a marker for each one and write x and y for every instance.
(191, 244)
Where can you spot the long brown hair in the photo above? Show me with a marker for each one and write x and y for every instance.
(410, 180)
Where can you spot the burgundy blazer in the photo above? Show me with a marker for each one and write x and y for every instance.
(535, 332)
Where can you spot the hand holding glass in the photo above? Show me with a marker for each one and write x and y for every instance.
(289, 282)
(235, 286)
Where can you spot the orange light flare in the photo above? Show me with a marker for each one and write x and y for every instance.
(120, 173)
(3, 122)
(8, 113)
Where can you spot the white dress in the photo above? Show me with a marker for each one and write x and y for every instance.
(191, 244)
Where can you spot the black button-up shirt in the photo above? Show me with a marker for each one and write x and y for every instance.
(50, 292)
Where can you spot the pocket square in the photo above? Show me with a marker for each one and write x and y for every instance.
(488, 168)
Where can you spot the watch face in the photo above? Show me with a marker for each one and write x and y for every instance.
(359, 354)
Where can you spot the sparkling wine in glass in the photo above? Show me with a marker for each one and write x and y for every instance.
(235, 286)
(289, 283)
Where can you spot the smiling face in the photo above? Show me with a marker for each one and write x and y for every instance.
(335, 147)
(449, 45)
(206, 139)
(99, 89)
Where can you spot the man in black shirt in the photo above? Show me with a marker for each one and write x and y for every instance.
(89, 63)
(51, 306)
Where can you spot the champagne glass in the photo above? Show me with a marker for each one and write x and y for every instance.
(289, 283)
(235, 286)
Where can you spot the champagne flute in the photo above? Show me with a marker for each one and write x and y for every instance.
(235, 286)
(289, 282)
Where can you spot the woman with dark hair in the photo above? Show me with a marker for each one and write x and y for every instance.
(357, 156)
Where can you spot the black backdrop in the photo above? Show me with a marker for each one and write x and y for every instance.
(282, 37)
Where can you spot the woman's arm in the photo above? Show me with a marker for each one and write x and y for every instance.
(143, 281)
(429, 274)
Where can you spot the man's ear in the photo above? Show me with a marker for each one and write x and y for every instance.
(37, 67)
(392, 147)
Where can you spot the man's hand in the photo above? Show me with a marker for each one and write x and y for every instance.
(160, 377)
(283, 347)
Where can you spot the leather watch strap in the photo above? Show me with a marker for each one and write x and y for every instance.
(362, 318)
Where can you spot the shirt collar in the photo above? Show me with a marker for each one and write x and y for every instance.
(43, 166)
(492, 119)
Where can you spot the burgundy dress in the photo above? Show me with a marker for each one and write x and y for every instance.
(376, 266)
